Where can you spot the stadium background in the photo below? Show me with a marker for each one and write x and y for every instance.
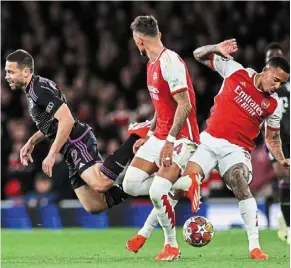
(87, 49)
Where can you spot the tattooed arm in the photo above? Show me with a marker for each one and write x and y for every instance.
(183, 109)
(204, 54)
(274, 144)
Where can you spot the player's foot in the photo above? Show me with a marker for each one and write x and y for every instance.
(135, 244)
(258, 254)
(194, 192)
(282, 228)
(168, 254)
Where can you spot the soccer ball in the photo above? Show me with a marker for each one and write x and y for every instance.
(198, 231)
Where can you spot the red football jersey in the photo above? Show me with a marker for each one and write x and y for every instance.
(139, 129)
(166, 76)
(240, 107)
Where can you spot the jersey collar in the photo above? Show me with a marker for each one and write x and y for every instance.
(29, 84)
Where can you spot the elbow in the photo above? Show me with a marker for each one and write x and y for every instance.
(196, 54)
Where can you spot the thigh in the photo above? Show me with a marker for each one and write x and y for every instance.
(92, 201)
(150, 150)
(183, 149)
(203, 159)
(235, 155)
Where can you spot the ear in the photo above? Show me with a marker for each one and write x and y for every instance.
(26, 72)
(160, 35)
(266, 68)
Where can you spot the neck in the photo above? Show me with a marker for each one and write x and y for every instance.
(155, 50)
(26, 83)
(258, 81)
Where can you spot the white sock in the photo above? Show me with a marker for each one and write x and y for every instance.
(248, 210)
(152, 221)
(164, 209)
(183, 183)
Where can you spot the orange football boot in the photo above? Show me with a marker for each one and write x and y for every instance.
(258, 254)
(193, 192)
(135, 244)
(168, 254)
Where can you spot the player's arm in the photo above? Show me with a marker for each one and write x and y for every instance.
(65, 125)
(36, 138)
(272, 135)
(153, 125)
(218, 57)
(274, 143)
(183, 110)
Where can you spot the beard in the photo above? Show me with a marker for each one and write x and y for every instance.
(144, 56)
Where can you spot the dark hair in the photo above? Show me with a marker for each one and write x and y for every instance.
(146, 25)
(273, 45)
(279, 62)
(22, 58)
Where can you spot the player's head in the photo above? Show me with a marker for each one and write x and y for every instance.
(273, 50)
(19, 68)
(276, 72)
(145, 29)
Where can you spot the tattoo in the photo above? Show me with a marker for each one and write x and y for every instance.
(237, 178)
(202, 54)
(154, 122)
(274, 145)
(183, 109)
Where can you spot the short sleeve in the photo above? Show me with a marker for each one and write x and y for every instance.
(173, 71)
(225, 67)
(47, 98)
(273, 120)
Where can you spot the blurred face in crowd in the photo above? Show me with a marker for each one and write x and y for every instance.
(16, 76)
(272, 78)
(273, 53)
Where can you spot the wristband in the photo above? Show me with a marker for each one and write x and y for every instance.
(171, 138)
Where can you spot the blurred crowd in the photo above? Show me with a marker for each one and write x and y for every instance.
(87, 49)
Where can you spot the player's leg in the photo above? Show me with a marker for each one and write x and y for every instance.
(236, 170)
(136, 180)
(283, 177)
(201, 162)
(159, 194)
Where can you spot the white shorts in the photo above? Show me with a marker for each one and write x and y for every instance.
(183, 149)
(220, 154)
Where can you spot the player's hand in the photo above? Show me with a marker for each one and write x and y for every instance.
(48, 163)
(227, 47)
(286, 163)
(166, 154)
(139, 143)
(25, 153)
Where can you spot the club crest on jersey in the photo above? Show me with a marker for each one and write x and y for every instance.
(155, 76)
(265, 104)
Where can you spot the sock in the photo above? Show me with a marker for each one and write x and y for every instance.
(115, 163)
(152, 221)
(248, 210)
(284, 190)
(115, 195)
(164, 209)
(185, 182)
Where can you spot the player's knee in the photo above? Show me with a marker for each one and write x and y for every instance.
(156, 190)
(94, 210)
(133, 179)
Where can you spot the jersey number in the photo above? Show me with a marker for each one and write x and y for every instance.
(178, 148)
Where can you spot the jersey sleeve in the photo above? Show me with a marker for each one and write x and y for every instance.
(47, 98)
(225, 67)
(174, 72)
(273, 120)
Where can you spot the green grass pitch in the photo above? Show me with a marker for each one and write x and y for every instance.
(81, 248)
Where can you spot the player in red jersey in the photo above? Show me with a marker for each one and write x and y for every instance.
(173, 135)
(246, 100)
